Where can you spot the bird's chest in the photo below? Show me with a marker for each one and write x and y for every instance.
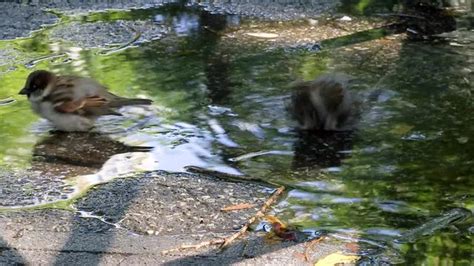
(43, 108)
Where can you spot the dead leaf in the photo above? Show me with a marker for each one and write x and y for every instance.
(272, 219)
(352, 247)
(263, 35)
(337, 258)
(284, 233)
(280, 229)
(237, 207)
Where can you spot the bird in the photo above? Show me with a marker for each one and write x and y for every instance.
(72, 103)
(322, 104)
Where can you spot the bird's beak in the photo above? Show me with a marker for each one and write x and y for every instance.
(24, 91)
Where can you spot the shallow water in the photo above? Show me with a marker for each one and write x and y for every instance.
(218, 98)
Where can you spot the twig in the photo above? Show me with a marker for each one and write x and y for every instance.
(224, 242)
(135, 38)
(238, 207)
(259, 214)
(218, 33)
(310, 246)
(260, 153)
(196, 246)
(35, 61)
(399, 15)
(6, 101)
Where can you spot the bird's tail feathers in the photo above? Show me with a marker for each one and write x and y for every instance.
(126, 101)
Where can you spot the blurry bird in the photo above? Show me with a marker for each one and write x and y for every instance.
(72, 103)
(322, 104)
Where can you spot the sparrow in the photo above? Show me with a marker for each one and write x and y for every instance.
(322, 104)
(72, 103)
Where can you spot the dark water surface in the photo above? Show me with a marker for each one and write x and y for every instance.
(217, 98)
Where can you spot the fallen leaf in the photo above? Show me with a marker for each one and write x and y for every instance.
(237, 207)
(283, 232)
(280, 230)
(352, 247)
(337, 258)
(264, 35)
(272, 219)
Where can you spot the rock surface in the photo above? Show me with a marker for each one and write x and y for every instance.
(132, 220)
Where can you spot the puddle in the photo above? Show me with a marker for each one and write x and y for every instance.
(220, 98)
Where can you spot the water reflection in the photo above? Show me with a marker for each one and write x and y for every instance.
(322, 149)
(185, 24)
(65, 152)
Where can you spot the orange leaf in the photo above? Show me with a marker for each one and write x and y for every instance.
(273, 220)
(352, 247)
(283, 232)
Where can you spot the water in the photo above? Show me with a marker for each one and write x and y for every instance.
(219, 103)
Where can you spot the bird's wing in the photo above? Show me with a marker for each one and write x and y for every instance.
(332, 92)
(80, 96)
(81, 105)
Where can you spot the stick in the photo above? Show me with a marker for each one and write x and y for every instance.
(6, 101)
(238, 207)
(260, 153)
(196, 246)
(137, 36)
(310, 246)
(224, 242)
(259, 214)
(399, 15)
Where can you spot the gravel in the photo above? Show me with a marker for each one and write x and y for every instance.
(20, 20)
(108, 33)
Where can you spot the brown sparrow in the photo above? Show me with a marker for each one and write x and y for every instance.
(322, 104)
(72, 103)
